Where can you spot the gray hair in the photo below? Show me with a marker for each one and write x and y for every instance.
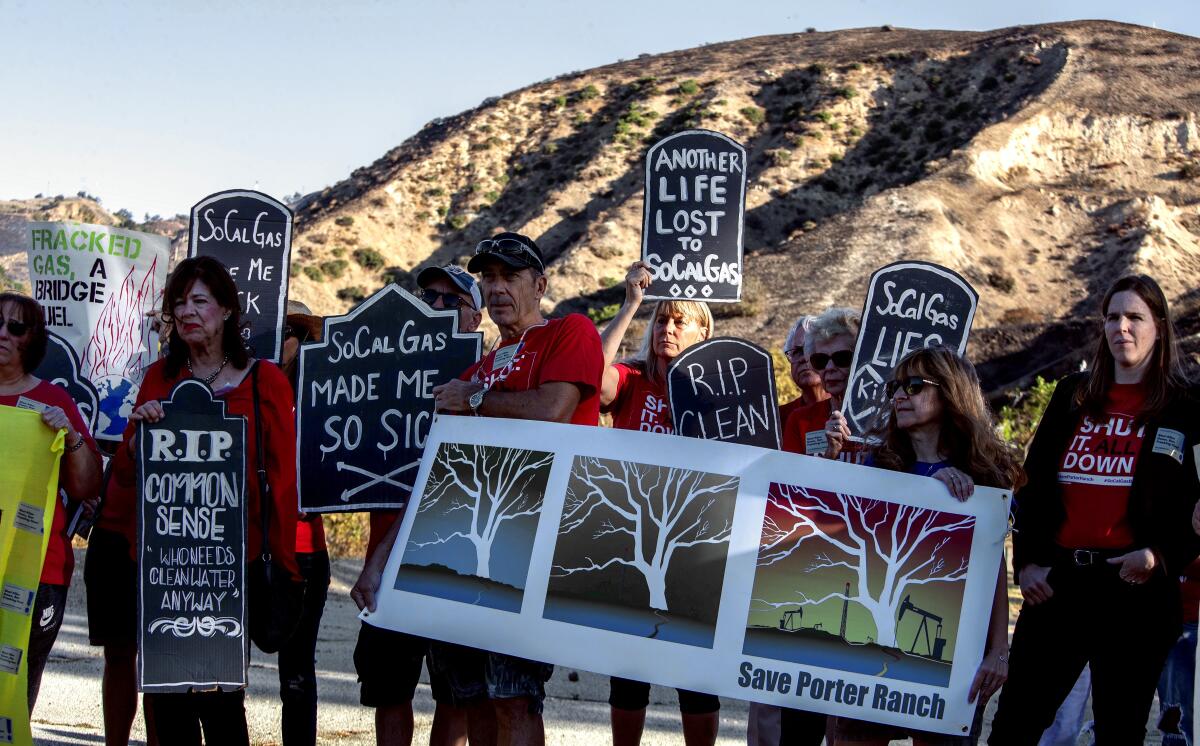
(830, 323)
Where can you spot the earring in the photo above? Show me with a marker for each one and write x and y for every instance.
(227, 317)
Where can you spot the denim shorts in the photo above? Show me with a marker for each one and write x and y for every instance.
(471, 674)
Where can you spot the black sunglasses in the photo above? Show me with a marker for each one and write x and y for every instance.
(15, 328)
(508, 247)
(300, 334)
(912, 386)
(449, 300)
(841, 358)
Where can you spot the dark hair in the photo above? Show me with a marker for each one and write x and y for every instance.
(213, 274)
(34, 349)
(968, 431)
(1165, 375)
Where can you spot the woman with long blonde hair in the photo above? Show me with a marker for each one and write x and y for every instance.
(634, 392)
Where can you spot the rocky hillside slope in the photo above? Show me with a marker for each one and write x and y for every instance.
(1040, 162)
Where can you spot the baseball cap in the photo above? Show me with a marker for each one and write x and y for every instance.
(514, 249)
(455, 274)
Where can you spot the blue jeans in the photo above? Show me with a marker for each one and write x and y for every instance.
(1175, 688)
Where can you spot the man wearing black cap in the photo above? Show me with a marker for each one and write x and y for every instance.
(388, 663)
(540, 369)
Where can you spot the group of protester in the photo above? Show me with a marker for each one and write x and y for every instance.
(1100, 553)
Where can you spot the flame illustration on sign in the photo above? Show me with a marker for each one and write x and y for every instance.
(121, 344)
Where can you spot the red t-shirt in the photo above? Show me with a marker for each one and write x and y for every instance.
(1096, 474)
(804, 432)
(310, 534)
(785, 410)
(60, 560)
(279, 438)
(563, 350)
(640, 404)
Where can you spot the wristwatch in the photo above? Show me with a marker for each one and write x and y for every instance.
(476, 400)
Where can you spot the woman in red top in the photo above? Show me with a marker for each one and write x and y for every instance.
(819, 429)
(1102, 527)
(205, 343)
(23, 342)
(635, 393)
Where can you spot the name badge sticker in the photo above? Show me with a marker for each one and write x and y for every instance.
(504, 356)
(29, 518)
(815, 443)
(31, 404)
(10, 659)
(1169, 442)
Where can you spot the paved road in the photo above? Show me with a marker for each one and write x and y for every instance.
(68, 710)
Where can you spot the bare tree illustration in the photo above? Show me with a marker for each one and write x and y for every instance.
(492, 485)
(661, 510)
(888, 547)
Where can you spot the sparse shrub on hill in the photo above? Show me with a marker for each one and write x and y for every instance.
(604, 313)
(334, 268)
(457, 222)
(313, 273)
(344, 221)
(368, 258)
(688, 87)
(588, 93)
(753, 114)
(846, 92)
(1019, 420)
(352, 294)
(1002, 281)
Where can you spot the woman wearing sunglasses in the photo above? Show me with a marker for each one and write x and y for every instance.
(819, 429)
(634, 392)
(939, 426)
(23, 340)
(1103, 528)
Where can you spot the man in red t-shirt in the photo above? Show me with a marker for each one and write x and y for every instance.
(541, 369)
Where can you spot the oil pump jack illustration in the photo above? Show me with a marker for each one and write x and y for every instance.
(932, 650)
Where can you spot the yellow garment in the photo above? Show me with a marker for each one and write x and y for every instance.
(28, 486)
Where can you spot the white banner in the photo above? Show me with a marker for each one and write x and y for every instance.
(96, 284)
(767, 576)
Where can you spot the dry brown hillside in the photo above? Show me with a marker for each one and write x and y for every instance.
(1041, 162)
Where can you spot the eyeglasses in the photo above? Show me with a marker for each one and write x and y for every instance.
(449, 300)
(15, 328)
(794, 354)
(912, 386)
(508, 247)
(841, 358)
(299, 334)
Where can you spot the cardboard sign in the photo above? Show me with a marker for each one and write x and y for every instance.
(99, 288)
(191, 471)
(753, 574)
(61, 367)
(909, 305)
(365, 400)
(694, 209)
(251, 234)
(724, 389)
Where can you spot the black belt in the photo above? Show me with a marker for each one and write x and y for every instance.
(1089, 557)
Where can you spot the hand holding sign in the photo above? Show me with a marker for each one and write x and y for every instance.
(695, 203)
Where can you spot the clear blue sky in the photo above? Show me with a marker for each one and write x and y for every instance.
(152, 105)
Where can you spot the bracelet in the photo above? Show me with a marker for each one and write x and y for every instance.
(77, 446)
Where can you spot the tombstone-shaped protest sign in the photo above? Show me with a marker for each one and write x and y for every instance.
(909, 305)
(60, 366)
(694, 210)
(99, 287)
(192, 538)
(365, 400)
(251, 234)
(724, 389)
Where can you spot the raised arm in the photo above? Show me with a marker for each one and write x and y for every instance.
(636, 282)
